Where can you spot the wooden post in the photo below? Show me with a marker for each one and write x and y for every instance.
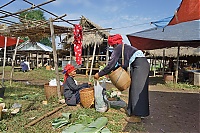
(107, 54)
(177, 64)
(37, 60)
(94, 50)
(13, 60)
(4, 61)
(87, 63)
(42, 59)
(55, 57)
(163, 62)
(70, 54)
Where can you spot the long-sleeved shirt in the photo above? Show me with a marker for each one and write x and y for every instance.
(116, 57)
(70, 87)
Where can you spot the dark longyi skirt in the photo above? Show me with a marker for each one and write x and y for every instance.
(138, 103)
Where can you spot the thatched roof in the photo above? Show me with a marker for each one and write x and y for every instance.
(172, 52)
(92, 33)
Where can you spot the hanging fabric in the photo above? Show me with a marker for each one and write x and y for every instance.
(78, 36)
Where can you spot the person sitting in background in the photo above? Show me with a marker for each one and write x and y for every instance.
(71, 88)
(24, 66)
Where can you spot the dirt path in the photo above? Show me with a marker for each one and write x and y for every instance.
(173, 111)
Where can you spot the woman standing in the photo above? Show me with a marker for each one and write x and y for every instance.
(138, 102)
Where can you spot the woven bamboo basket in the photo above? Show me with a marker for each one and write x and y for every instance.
(87, 97)
(120, 79)
(51, 91)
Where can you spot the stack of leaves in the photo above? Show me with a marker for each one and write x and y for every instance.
(84, 124)
(61, 121)
(94, 127)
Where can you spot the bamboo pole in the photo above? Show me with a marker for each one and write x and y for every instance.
(163, 62)
(47, 11)
(37, 60)
(87, 63)
(55, 57)
(70, 54)
(46, 115)
(177, 64)
(13, 60)
(94, 50)
(7, 4)
(107, 54)
(33, 7)
(4, 61)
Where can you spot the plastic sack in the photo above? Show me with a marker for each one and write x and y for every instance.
(54, 83)
(100, 104)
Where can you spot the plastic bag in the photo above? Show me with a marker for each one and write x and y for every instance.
(100, 104)
(54, 83)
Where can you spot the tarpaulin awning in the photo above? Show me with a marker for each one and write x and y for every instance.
(188, 10)
(182, 30)
(186, 34)
(10, 41)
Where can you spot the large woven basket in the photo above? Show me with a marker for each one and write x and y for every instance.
(87, 97)
(120, 79)
(51, 91)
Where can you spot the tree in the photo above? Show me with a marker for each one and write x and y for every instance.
(34, 15)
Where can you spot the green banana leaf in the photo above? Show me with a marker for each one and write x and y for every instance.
(67, 115)
(64, 120)
(95, 126)
(74, 128)
(105, 130)
(84, 119)
(1, 99)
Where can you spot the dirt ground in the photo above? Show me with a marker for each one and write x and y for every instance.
(171, 110)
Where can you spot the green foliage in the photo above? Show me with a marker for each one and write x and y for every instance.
(32, 15)
(1, 100)
(184, 86)
(64, 120)
(35, 15)
(2, 126)
(46, 41)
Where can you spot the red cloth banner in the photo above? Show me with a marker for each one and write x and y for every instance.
(78, 36)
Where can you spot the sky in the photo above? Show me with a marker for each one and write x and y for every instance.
(123, 16)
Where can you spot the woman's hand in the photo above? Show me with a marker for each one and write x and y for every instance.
(89, 83)
(96, 76)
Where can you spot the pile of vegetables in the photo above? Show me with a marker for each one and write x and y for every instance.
(113, 93)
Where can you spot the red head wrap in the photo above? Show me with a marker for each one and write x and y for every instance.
(68, 69)
(115, 39)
